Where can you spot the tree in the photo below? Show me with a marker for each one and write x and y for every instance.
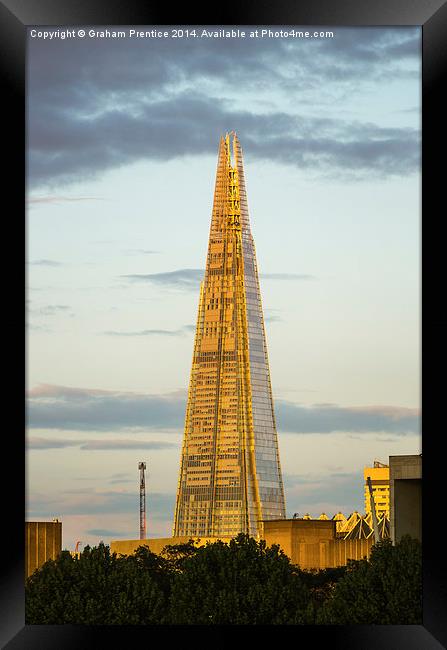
(97, 589)
(242, 582)
(386, 590)
(321, 584)
(176, 554)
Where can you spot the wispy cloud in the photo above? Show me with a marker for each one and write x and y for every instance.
(45, 263)
(191, 278)
(287, 276)
(126, 444)
(328, 418)
(272, 318)
(104, 532)
(328, 493)
(153, 332)
(62, 199)
(38, 328)
(140, 251)
(91, 445)
(101, 502)
(61, 407)
(50, 310)
(179, 279)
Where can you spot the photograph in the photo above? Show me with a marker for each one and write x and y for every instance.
(223, 284)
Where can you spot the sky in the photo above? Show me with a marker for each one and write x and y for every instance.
(122, 139)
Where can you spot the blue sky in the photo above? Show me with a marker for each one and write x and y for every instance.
(122, 151)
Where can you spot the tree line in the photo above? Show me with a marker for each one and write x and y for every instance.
(243, 582)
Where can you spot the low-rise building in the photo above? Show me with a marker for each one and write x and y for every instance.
(43, 541)
(309, 543)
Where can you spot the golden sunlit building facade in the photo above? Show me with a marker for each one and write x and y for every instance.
(230, 475)
(43, 542)
(380, 481)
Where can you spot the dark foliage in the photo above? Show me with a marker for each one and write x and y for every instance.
(243, 582)
(386, 590)
(96, 589)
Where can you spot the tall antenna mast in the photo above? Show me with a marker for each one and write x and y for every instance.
(142, 467)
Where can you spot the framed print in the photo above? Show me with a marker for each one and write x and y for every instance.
(326, 133)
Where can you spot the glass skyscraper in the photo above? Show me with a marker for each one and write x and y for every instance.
(230, 475)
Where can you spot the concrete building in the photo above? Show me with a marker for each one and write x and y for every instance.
(313, 544)
(156, 545)
(380, 481)
(405, 496)
(43, 541)
(309, 543)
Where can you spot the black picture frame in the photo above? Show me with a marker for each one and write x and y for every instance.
(431, 15)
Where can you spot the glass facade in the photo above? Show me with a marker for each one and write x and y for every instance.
(230, 474)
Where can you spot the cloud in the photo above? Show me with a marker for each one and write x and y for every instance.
(191, 278)
(140, 251)
(92, 445)
(95, 106)
(153, 332)
(161, 132)
(86, 501)
(329, 418)
(329, 493)
(126, 444)
(50, 310)
(273, 318)
(104, 532)
(182, 278)
(38, 328)
(287, 276)
(50, 443)
(61, 199)
(62, 407)
(271, 315)
(46, 263)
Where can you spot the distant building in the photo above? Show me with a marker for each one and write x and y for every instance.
(405, 496)
(43, 541)
(380, 480)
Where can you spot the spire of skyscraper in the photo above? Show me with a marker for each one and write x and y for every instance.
(230, 475)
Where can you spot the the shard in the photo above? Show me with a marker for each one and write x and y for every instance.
(230, 475)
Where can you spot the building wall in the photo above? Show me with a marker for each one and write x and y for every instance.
(310, 544)
(405, 496)
(339, 551)
(43, 541)
(129, 546)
